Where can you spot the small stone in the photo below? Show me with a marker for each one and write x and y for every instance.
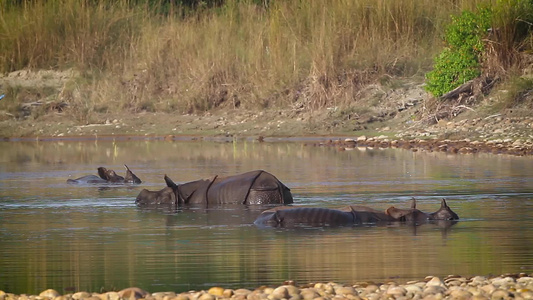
(413, 288)
(207, 296)
(371, 288)
(292, 290)
(433, 290)
(163, 294)
(309, 294)
(502, 281)
(345, 290)
(242, 292)
(280, 293)
(460, 294)
(50, 293)
(80, 295)
(110, 296)
(435, 281)
(239, 297)
(396, 291)
(501, 294)
(228, 293)
(350, 143)
(132, 293)
(478, 280)
(217, 291)
(489, 288)
(182, 296)
(527, 294)
(525, 280)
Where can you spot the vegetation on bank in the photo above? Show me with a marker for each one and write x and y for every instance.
(154, 56)
(486, 43)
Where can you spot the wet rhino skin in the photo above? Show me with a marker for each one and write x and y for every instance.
(254, 188)
(286, 216)
(107, 176)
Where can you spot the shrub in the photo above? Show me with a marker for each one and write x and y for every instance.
(460, 60)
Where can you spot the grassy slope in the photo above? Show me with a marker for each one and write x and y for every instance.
(303, 58)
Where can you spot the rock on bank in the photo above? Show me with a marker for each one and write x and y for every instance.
(509, 286)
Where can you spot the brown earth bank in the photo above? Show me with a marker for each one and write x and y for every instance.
(397, 113)
(506, 286)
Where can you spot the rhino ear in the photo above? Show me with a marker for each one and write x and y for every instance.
(102, 172)
(130, 177)
(443, 203)
(170, 183)
(397, 213)
(413, 202)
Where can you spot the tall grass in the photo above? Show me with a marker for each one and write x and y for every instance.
(302, 53)
(64, 33)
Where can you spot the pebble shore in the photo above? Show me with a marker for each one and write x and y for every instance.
(508, 286)
(463, 146)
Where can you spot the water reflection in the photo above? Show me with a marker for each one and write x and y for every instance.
(55, 235)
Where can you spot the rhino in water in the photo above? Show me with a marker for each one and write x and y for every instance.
(286, 216)
(255, 187)
(107, 176)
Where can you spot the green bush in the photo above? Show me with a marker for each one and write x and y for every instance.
(460, 60)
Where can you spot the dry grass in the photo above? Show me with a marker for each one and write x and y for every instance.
(303, 53)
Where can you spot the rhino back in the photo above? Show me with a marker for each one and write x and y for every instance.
(267, 189)
(305, 216)
(195, 192)
(89, 179)
(232, 189)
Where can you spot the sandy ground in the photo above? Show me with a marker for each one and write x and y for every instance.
(403, 110)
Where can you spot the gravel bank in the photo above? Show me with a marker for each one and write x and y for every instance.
(508, 286)
(463, 146)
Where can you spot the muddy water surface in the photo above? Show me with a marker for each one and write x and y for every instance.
(94, 238)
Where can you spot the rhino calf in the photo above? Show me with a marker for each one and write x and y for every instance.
(107, 176)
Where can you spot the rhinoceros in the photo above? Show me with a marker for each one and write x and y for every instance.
(254, 187)
(107, 176)
(286, 216)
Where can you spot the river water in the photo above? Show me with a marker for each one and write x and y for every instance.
(94, 238)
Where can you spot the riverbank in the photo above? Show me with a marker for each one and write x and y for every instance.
(385, 115)
(495, 134)
(507, 286)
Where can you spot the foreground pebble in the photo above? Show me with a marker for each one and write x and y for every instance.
(509, 286)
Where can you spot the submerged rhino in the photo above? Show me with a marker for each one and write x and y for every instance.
(287, 216)
(255, 187)
(107, 176)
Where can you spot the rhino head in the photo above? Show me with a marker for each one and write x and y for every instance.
(170, 195)
(416, 216)
(444, 213)
(109, 175)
